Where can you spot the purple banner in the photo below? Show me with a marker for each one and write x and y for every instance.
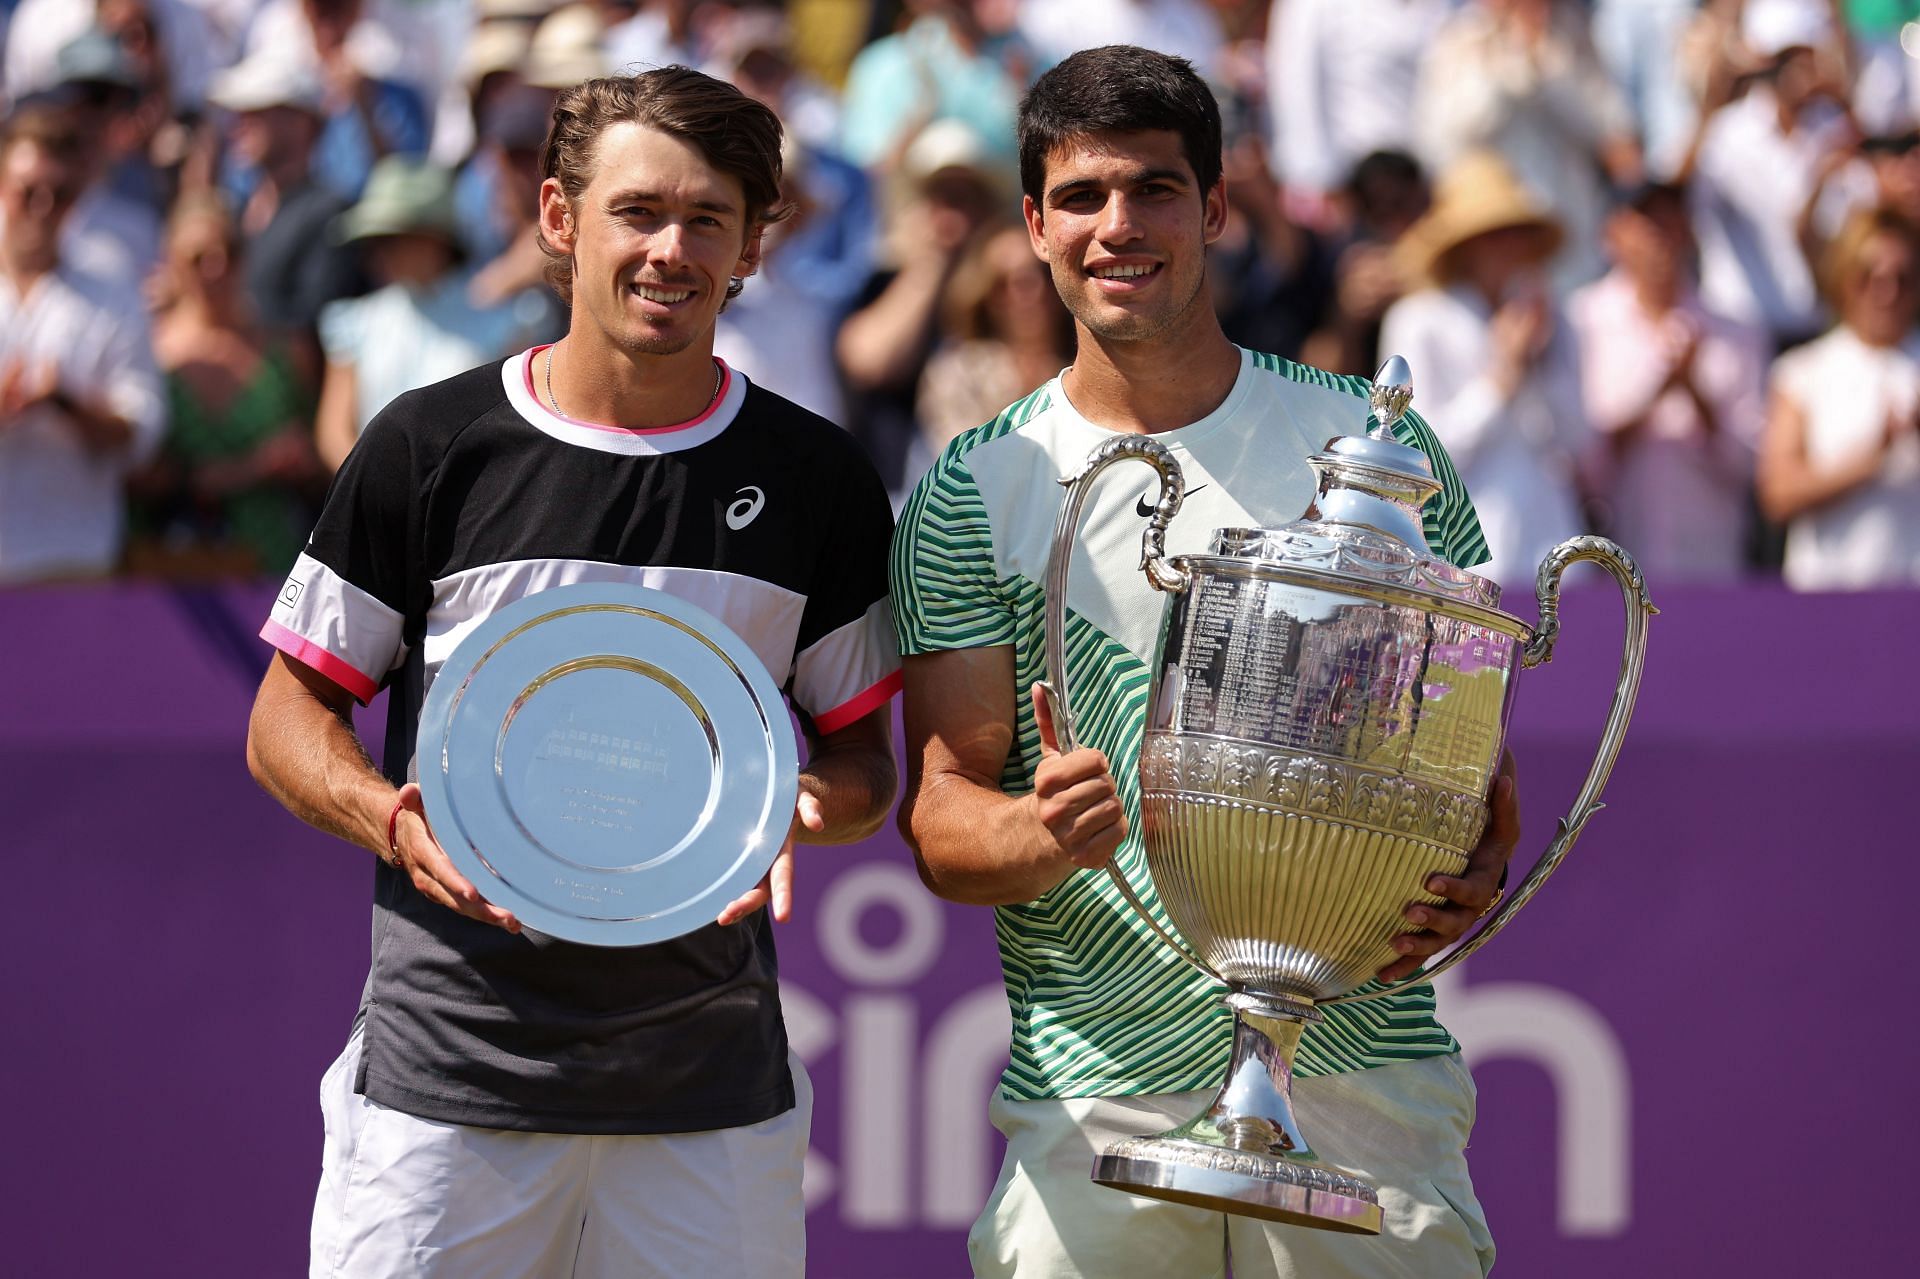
(1686, 1044)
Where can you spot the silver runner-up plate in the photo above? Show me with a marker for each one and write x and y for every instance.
(608, 762)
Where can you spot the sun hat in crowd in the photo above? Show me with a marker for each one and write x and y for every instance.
(94, 57)
(947, 144)
(264, 80)
(1478, 195)
(566, 49)
(493, 48)
(403, 196)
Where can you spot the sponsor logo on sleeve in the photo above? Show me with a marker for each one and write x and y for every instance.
(291, 591)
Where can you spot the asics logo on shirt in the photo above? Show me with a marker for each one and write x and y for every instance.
(1147, 503)
(742, 512)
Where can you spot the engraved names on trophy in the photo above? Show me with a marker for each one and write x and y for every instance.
(1236, 674)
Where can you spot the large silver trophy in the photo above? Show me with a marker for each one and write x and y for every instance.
(1328, 709)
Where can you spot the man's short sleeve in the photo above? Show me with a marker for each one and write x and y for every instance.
(342, 610)
(946, 594)
(845, 662)
(1452, 525)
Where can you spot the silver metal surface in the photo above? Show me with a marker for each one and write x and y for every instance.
(1391, 396)
(1327, 716)
(608, 762)
(1538, 652)
(1245, 1154)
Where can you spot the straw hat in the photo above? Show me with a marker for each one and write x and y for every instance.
(566, 49)
(403, 197)
(1478, 195)
(495, 47)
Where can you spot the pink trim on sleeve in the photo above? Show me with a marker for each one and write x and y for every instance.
(305, 651)
(858, 705)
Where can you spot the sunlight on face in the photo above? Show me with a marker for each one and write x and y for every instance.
(656, 237)
(1123, 226)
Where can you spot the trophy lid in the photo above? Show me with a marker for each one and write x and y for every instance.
(1364, 520)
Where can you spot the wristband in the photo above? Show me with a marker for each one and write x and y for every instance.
(393, 834)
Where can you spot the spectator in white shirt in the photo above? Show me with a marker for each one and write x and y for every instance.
(1677, 394)
(80, 401)
(1754, 165)
(1840, 464)
(1332, 99)
(1495, 369)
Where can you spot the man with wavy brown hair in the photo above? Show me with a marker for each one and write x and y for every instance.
(511, 1104)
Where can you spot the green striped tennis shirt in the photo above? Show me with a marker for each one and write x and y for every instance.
(1100, 1006)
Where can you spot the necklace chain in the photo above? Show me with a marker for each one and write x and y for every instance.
(554, 400)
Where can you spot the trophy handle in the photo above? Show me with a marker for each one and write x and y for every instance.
(1538, 652)
(1164, 574)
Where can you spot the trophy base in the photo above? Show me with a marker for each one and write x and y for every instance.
(1244, 1183)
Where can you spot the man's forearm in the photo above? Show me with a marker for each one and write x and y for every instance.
(855, 784)
(979, 846)
(307, 756)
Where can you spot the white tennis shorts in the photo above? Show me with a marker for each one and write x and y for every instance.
(1403, 1127)
(408, 1198)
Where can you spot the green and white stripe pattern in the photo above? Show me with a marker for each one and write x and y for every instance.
(1100, 1006)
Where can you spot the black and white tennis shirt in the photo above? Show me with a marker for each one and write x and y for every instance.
(465, 496)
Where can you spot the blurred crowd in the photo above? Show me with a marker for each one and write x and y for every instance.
(1655, 263)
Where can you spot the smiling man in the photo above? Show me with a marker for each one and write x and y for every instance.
(509, 1104)
(1112, 1036)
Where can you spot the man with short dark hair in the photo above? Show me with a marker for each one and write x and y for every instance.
(1112, 1036)
(512, 1104)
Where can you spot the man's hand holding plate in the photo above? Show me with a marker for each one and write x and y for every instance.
(776, 886)
(418, 855)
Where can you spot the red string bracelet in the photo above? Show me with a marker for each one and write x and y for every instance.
(393, 833)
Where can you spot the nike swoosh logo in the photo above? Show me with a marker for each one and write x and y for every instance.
(1147, 503)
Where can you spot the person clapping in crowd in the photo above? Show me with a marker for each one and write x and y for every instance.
(1675, 391)
(1520, 78)
(1495, 365)
(79, 397)
(1840, 464)
(1769, 124)
(1755, 163)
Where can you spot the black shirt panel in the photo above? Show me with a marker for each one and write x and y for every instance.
(457, 492)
